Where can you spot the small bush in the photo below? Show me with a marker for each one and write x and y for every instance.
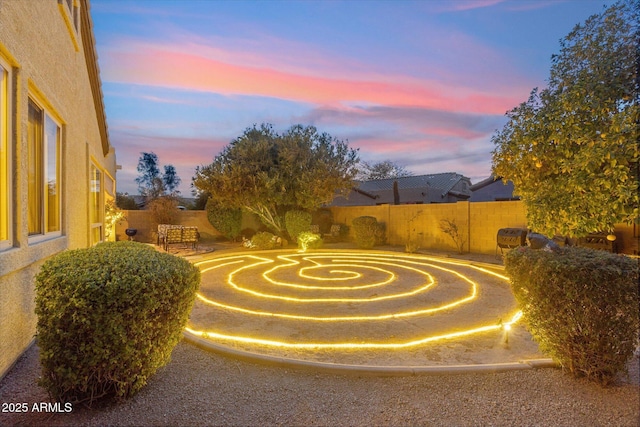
(226, 220)
(381, 234)
(109, 317)
(324, 219)
(308, 240)
(580, 305)
(247, 233)
(297, 222)
(264, 240)
(450, 228)
(163, 210)
(366, 231)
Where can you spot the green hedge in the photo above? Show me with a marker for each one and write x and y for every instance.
(227, 221)
(297, 222)
(309, 241)
(264, 240)
(368, 232)
(109, 317)
(580, 305)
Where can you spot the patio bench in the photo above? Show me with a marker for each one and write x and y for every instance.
(171, 234)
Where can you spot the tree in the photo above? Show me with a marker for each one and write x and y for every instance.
(268, 174)
(151, 183)
(571, 149)
(382, 170)
(170, 179)
(126, 202)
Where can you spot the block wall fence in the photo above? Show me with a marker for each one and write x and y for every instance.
(479, 222)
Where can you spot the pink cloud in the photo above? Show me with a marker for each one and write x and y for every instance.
(460, 132)
(459, 5)
(156, 65)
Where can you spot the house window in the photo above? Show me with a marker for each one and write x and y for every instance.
(96, 205)
(5, 188)
(70, 10)
(44, 207)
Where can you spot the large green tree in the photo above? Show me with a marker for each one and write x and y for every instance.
(267, 173)
(571, 149)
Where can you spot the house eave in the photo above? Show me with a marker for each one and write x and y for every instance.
(91, 58)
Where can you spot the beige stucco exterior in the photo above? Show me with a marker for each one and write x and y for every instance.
(49, 48)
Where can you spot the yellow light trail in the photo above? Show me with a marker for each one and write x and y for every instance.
(356, 261)
(410, 313)
(348, 345)
(377, 260)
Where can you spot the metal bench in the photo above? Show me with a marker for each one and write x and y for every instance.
(170, 234)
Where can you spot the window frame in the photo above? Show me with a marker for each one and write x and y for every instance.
(93, 169)
(44, 211)
(6, 180)
(70, 11)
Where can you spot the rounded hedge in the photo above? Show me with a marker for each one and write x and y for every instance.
(226, 220)
(580, 305)
(297, 222)
(109, 317)
(365, 231)
(309, 241)
(264, 240)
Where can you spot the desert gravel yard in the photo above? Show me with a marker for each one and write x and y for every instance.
(203, 388)
(198, 388)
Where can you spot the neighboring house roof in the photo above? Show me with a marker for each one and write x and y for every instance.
(491, 189)
(433, 188)
(442, 181)
(91, 58)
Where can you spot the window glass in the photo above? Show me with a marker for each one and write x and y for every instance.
(43, 175)
(34, 173)
(96, 204)
(52, 144)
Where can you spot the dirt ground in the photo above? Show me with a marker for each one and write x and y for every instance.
(405, 312)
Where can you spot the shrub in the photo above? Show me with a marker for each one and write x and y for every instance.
(163, 210)
(381, 234)
(580, 305)
(366, 231)
(226, 220)
(456, 233)
(247, 233)
(264, 240)
(297, 222)
(324, 219)
(126, 202)
(309, 240)
(109, 317)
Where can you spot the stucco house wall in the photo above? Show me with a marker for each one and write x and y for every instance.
(48, 55)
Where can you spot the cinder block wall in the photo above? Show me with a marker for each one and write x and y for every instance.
(486, 218)
(141, 221)
(478, 222)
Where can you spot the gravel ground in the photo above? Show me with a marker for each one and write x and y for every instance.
(200, 388)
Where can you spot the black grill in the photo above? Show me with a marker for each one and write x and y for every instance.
(512, 238)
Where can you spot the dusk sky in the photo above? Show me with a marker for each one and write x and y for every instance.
(422, 83)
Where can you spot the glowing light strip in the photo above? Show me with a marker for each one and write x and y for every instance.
(354, 318)
(392, 278)
(424, 311)
(231, 282)
(473, 295)
(348, 345)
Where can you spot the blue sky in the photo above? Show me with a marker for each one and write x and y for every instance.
(422, 83)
